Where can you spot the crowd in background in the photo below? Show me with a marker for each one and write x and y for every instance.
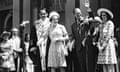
(90, 47)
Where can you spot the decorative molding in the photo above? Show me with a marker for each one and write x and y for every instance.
(6, 4)
(9, 15)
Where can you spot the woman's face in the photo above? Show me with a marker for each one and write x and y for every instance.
(15, 33)
(55, 20)
(6, 37)
(104, 16)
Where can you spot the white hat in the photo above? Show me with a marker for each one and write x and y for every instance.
(5, 33)
(14, 30)
(54, 13)
(104, 10)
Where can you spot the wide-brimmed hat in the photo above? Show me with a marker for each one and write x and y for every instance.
(105, 10)
(5, 33)
(54, 13)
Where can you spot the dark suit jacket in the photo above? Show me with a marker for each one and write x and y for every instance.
(34, 55)
(79, 33)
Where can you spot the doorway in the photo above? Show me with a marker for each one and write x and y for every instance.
(3, 15)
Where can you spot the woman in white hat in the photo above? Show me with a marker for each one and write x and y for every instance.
(106, 46)
(16, 40)
(57, 34)
(6, 54)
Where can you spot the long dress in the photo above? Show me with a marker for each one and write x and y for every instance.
(16, 41)
(56, 54)
(7, 59)
(27, 61)
(106, 45)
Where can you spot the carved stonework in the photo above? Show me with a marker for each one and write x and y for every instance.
(5, 3)
(58, 5)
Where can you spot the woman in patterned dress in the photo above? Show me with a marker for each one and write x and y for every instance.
(57, 51)
(106, 45)
(6, 54)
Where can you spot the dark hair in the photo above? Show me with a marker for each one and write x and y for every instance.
(108, 16)
(73, 10)
(50, 19)
(42, 9)
(26, 37)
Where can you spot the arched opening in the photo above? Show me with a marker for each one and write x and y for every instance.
(8, 22)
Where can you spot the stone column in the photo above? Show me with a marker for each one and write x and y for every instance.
(83, 8)
(16, 13)
(70, 4)
(26, 14)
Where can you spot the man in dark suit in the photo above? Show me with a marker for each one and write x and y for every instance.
(79, 32)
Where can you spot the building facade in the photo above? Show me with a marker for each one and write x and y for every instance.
(13, 12)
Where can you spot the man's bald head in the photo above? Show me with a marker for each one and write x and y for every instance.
(77, 13)
(77, 10)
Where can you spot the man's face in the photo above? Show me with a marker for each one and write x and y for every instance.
(43, 14)
(78, 14)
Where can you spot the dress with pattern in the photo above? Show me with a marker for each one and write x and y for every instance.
(107, 53)
(56, 55)
(6, 55)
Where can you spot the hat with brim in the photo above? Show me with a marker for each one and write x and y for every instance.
(5, 33)
(54, 13)
(99, 11)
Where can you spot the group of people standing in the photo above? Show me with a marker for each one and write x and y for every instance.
(91, 43)
(9, 49)
(95, 42)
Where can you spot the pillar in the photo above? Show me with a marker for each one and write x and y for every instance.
(16, 13)
(83, 8)
(70, 4)
(26, 14)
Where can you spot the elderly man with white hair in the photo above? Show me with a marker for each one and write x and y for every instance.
(79, 32)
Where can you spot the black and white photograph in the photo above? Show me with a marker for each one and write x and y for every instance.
(59, 36)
